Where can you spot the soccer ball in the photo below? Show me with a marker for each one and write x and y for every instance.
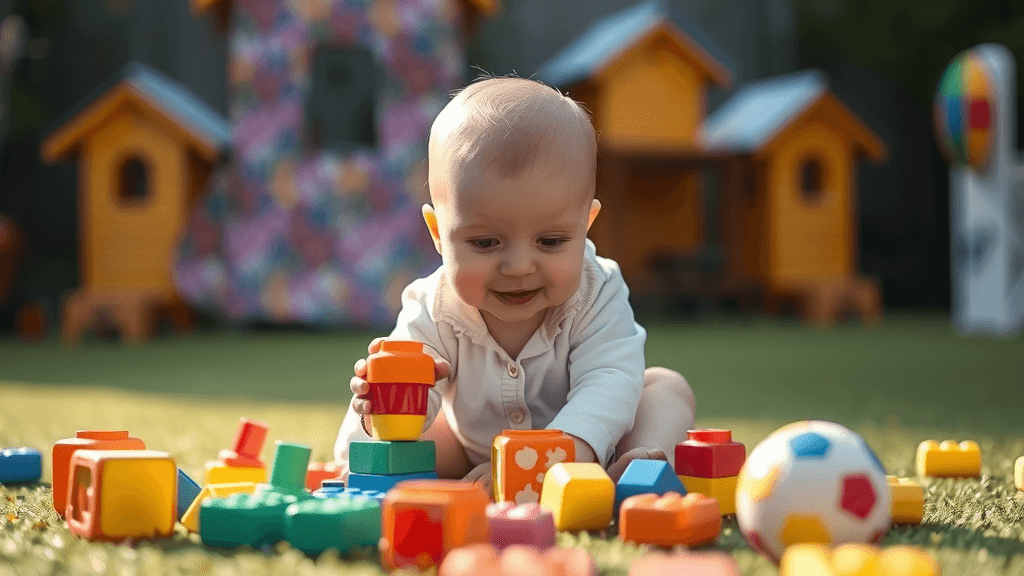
(812, 481)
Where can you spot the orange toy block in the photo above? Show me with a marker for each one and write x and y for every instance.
(118, 494)
(483, 559)
(685, 564)
(857, 560)
(317, 472)
(521, 458)
(691, 520)
(64, 449)
(907, 500)
(422, 520)
(1018, 473)
(949, 459)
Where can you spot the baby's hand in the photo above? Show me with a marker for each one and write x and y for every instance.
(481, 474)
(360, 387)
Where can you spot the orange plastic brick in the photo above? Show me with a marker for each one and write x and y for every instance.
(64, 449)
(691, 520)
(521, 458)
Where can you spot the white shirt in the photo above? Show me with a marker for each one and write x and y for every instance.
(581, 372)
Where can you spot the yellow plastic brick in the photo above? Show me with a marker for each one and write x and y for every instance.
(721, 489)
(1018, 473)
(856, 560)
(907, 500)
(949, 459)
(218, 472)
(580, 496)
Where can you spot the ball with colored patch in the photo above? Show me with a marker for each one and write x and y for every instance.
(964, 110)
(812, 481)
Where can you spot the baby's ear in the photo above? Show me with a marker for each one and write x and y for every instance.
(595, 207)
(431, 219)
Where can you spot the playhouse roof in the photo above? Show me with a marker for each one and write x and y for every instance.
(759, 110)
(615, 33)
(204, 126)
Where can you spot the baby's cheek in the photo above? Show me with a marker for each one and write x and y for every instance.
(468, 280)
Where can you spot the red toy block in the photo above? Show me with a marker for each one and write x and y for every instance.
(422, 520)
(671, 519)
(317, 472)
(709, 454)
(484, 560)
(248, 445)
(685, 564)
(64, 449)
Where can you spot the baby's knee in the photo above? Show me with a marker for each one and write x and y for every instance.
(665, 381)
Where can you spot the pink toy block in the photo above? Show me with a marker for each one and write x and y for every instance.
(685, 564)
(248, 445)
(484, 560)
(523, 525)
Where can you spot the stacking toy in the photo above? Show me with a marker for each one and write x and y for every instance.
(400, 376)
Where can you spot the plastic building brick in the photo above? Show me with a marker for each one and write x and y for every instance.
(187, 492)
(481, 559)
(336, 488)
(341, 523)
(520, 458)
(422, 520)
(381, 457)
(1018, 473)
(245, 453)
(709, 454)
(580, 496)
(670, 519)
(949, 459)
(907, 500)
(288, 473)
(317, 472)
(118, 494)
(385, 482)
(520, 525)
(647, 476)
(241, 519)
(191, 518)
(685, 564)
(218, 472)
(84, 439)
(721, 489)
(20, 465)
(400, 376)
(857, 560)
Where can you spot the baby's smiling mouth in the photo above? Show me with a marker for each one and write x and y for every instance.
(517, 296)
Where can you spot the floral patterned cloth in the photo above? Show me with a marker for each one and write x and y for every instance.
(286, 234)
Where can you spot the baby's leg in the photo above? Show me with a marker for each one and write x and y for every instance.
(452, 462)
(666, 412)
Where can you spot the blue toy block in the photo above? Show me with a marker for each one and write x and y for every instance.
(20, 465)
(341, 523)
(647, 477)
(384, 482)
(336, 488)
(187, 492)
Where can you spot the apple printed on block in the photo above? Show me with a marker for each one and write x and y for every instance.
(526, 458)
(555, 456)
(527, 495)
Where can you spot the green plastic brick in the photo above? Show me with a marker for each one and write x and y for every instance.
(291, 462)
(245, 519)
(380, 457)
(343, 523)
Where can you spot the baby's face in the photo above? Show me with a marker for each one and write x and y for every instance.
(513, 247)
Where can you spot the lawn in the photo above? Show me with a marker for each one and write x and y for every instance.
(909, 380)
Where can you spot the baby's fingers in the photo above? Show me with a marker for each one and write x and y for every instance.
(374, 346)
(361, 406)
(359, 386)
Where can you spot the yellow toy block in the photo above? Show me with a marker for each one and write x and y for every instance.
(580, 496)
(857, 560)
(118, 494)
(907, 500)
(949, 459)
(721, 489)
(1018, 473)
(191, 518)
(218, 472)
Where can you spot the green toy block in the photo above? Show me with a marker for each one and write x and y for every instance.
(246, 519)
(381, 457)
(343, 523)
(288, 474)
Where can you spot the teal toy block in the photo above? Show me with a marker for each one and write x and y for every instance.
(288, 473)
(20, 465)
(384, 482)
(647, 477)
(382, 457)
(187, 492)
(255, 519)
(342, 523)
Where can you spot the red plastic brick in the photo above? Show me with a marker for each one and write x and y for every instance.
(705, 459)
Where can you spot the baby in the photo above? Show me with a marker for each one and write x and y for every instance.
(529, 328)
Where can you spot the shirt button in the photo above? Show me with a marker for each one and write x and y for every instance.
(513, 370)
(518, 417)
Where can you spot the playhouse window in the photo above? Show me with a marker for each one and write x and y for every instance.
(133, 184)
(341, 108)
(812, 179)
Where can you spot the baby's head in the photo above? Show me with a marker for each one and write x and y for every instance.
(512, 168)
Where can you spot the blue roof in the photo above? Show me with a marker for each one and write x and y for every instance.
(758, 110)
(607, 37)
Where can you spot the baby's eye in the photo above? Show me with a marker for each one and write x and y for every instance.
(484, 243)
(553, 242)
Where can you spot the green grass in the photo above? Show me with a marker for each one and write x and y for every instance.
(907, 381)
